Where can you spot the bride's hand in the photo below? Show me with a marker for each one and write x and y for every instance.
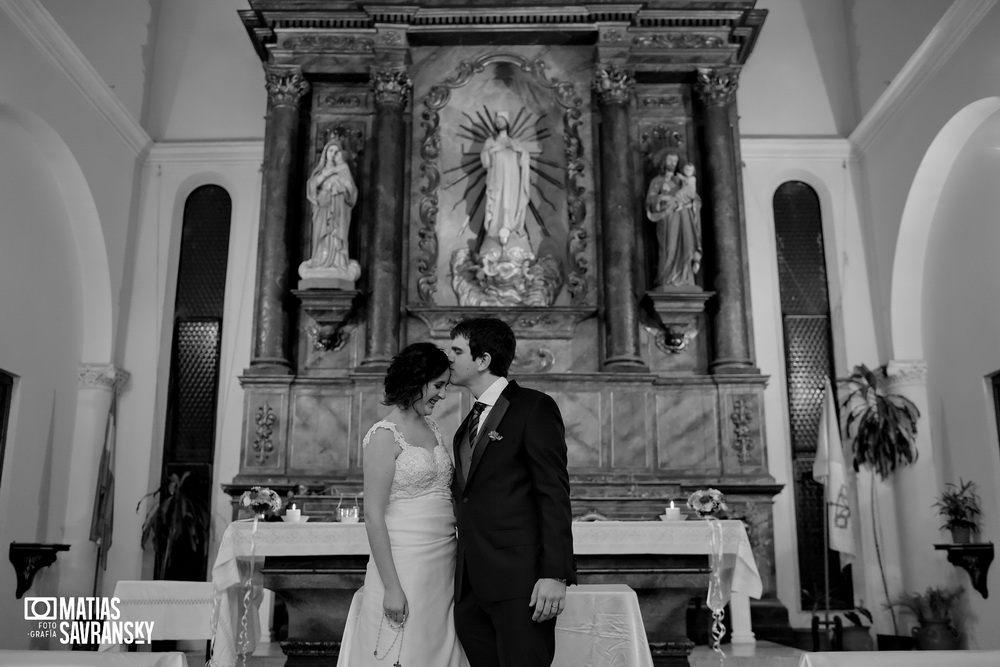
(394, 606)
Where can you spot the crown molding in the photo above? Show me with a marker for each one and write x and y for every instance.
(38, 26)
(206, 152)
(796, 148)
(958, 21)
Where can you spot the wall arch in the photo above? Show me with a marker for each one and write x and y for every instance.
(88, 236)
(906, 306)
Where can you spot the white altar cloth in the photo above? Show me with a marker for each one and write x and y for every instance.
(177, 609)
(589, 538)
(90, 659)
(601, 626)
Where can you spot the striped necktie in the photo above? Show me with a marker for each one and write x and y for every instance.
(477, 412)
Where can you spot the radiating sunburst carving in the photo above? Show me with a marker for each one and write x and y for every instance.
(525, 127)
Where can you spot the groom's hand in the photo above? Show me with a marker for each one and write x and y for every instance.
(548, 598)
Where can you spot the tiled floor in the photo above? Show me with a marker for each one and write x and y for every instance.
(763, 654)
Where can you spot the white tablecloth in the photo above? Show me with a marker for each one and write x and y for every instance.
(601, 626)
(901, 659)
(90, 659)
(177, 609)
(672, 537)
(232, 564)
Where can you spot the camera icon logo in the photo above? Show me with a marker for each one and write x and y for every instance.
(40, 609)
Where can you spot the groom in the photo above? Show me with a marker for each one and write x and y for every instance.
(511, 490)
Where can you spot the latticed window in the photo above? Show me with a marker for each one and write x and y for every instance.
(805, 316)
(194, 364)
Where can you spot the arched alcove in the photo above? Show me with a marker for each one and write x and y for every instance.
(81, 213)
(946, 310)
(906, 308)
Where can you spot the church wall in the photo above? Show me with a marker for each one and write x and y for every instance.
(891, 159)
(876, 60)
(961, 322)
(790, 86)
(172, 172)
(198, 45)
(826, 166)
(30, 81)
(67, 274)
(40, 343)
(121, 51)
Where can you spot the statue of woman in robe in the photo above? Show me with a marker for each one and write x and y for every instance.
(673, 203)
(508, 178)
(332, 193)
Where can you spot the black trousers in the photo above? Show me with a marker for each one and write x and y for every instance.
(502, 634)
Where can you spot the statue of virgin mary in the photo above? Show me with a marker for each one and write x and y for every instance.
(508, 179)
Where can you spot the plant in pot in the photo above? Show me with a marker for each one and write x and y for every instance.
(936, 612)
(175, 514)
(960, 507)
(857, 635)
(882, 427)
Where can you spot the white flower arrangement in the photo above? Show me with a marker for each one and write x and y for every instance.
(494, 436)
(707, 502)
(259, 499)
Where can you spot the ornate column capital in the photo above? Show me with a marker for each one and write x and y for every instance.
(101, 376)
(613, 84)
(717, 87)
(285, 85)
(906, 372)
(392, 86)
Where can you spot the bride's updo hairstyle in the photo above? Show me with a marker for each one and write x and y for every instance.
(411, 370)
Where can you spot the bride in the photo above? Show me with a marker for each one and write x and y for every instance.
(406, 615)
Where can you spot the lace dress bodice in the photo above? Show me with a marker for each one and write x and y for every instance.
(419, 472)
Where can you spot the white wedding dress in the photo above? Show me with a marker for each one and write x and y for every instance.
(421, 522)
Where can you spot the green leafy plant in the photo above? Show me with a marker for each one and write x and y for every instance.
(883, 437)
(854, 616)
(174, 514)
(884, 425)
(960, 506)
(934, 604)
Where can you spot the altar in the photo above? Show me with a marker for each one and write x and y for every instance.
(612, 132)
(317, 567)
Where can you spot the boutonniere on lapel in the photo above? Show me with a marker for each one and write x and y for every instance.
(494, 436)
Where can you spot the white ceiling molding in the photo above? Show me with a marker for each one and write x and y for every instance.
(207, 152)
(794, 148)
(39, 26)
(949, 33)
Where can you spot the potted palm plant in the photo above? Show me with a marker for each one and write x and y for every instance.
(935, 610)
(882, 427)
(174, 515)
(857, 635)
(960, 507)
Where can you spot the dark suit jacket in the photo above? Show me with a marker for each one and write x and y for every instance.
(513, 511)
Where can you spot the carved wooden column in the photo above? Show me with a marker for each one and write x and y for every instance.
(275, 239)
(717, 89)
(392, 86)
(614, 86)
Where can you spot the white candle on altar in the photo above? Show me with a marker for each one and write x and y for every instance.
(294, 515)
(672, 513)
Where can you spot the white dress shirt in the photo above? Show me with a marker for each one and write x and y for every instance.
(489, 398)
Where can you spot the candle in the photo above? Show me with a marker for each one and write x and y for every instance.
(672, 513)
(294, 515)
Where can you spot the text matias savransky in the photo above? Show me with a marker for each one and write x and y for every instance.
(84, 620)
